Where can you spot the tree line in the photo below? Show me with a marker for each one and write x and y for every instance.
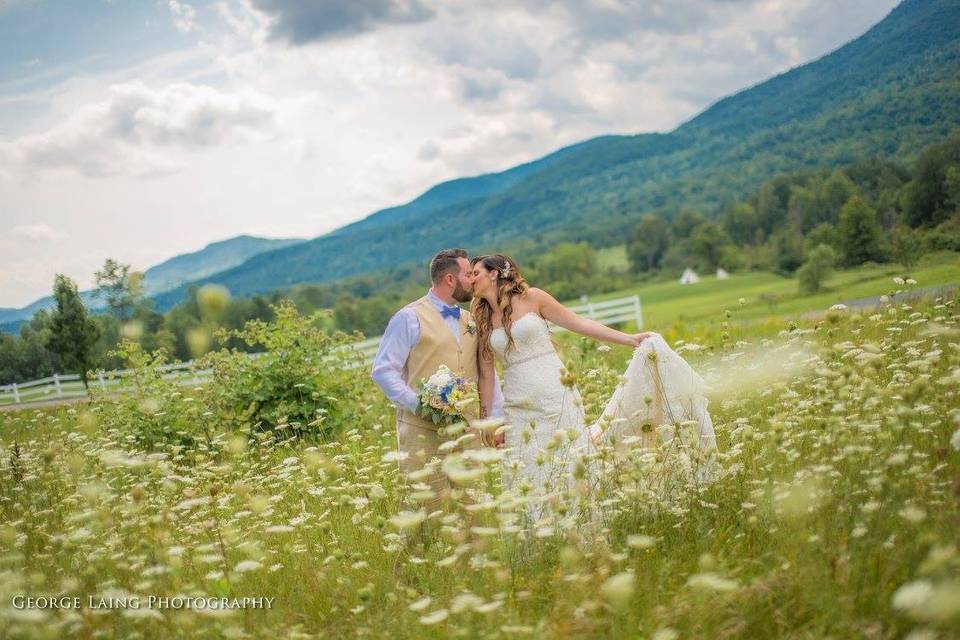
(802, 224)
(807, 222)
(68, 338)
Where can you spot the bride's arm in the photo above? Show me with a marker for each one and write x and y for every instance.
(486, 379)
(485, 382)
(558, 314)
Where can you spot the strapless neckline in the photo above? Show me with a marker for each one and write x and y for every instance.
(528, 313)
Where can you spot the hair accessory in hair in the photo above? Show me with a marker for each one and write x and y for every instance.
(505, 272)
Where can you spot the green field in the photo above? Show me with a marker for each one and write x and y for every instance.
(835, 516)
(613, 258)
(767, 294)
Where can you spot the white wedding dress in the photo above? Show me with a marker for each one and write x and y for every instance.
(548, 435)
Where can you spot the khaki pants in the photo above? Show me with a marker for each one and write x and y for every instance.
(420, 440)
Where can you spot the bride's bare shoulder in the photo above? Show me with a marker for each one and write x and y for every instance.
(538, 296)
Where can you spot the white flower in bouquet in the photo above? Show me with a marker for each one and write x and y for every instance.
(441, 378)
(446, 397)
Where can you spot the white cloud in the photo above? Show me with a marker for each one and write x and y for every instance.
(126, 134)
(183, 16)
(36, 233)
(279, 126)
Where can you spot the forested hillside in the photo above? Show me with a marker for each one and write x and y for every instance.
(889, 93)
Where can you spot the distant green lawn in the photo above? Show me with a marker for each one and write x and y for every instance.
(768, 294)
(613, 258)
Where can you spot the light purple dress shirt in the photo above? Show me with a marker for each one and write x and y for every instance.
(402, 334)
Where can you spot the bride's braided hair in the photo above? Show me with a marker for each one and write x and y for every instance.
(509, 284)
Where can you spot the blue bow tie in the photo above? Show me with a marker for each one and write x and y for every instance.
(450, 312)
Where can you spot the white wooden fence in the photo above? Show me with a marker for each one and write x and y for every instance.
(60, 386)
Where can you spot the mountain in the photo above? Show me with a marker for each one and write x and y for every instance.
(10, 318)
(213, 258)
(453, 192)
(888, 93)
(444, 195)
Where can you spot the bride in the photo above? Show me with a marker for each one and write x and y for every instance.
(547, 435)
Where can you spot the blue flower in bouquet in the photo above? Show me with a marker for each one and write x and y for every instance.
(445, 396)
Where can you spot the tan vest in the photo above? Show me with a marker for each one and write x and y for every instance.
(436, 347)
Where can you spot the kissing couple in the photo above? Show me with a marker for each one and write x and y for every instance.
(545, 432)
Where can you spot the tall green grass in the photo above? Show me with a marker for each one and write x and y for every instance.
(836, 514)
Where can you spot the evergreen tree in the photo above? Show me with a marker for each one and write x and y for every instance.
(121, 288)
(858, 233)
(72, 332)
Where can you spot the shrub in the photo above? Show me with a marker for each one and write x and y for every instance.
(155, 408)
(816, 269)
(305, 382)
(906, 246)
(301, 382)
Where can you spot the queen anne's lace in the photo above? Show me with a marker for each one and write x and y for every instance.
(548, 434)
(539, 409)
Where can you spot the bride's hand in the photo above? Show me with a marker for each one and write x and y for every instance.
(485, 440)
(637, 338)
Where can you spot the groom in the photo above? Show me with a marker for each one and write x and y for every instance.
(425, 334)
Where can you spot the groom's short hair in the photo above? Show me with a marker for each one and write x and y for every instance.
(446, 261)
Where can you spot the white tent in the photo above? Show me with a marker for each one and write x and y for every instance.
(721, 274)
(689, 276)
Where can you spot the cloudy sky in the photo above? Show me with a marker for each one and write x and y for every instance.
(140, 129)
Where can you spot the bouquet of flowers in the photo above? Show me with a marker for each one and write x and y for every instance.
(447, 398)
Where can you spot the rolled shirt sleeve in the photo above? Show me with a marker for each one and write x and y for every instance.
(401, 335)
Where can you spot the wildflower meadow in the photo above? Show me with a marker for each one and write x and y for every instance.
(833, 512)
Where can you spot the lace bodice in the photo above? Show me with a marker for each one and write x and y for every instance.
(548, 434)
(531, 339)
(538, 407)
